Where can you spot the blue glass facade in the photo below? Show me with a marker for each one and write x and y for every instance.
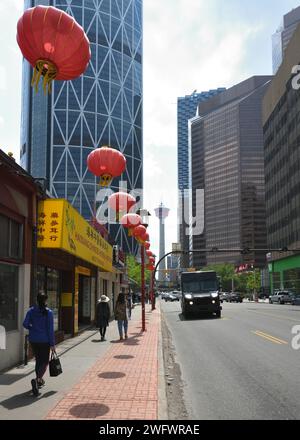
(186, 109)
(102, 107)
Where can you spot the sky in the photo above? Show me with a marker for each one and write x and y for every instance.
(188, 45)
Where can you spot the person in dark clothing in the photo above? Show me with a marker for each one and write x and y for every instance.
(40, 323)
(121, 315)
(103, 315)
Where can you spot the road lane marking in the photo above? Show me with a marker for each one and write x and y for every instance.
(275, 316)
(270, 337)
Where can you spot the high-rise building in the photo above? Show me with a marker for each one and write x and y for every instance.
(162, 213)
(228, 162)
(102, 107)
(281, 38)
(281, 110)
(186, 109)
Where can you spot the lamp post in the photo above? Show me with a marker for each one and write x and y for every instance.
(144, 214)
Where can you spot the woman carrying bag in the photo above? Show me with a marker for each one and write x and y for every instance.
(102, 315)
(40, 323)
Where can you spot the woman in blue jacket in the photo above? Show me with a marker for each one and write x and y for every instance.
(39, 321)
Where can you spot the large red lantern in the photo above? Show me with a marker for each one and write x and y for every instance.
(149, 253)
(121, 203)
(54, 44)
(145, 237)
(147, 245)
(106, 163)
(130, 221)
(151, 260)
(138, 232)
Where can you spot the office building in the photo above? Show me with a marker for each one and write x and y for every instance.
(102, 107)
(226, 153)
(186, 109)
(281, 121)
(281, 38)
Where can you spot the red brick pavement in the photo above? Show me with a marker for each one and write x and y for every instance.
(122, 384)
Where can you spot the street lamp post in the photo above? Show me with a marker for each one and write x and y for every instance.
(143, 287)
(145, 222)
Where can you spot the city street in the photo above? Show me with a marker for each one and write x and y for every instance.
(241, 366)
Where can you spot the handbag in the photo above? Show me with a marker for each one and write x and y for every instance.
(55, 368)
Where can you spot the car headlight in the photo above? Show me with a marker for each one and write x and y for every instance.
(188, 296)
(214, 295)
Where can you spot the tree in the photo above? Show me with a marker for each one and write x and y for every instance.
(253, 281)
(226, 272)
(134, 270)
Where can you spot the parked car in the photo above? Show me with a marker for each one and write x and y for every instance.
(170, 297)
(281, 297)
(235, 297)
(224, 296)
(177, 294)
(296, 299)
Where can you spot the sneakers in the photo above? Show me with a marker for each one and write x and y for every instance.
(35, 388)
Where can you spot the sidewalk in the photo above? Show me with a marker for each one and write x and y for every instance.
(109, 380)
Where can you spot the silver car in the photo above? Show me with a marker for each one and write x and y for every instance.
(281, 297)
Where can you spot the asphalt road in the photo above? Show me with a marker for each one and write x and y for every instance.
(241, 366)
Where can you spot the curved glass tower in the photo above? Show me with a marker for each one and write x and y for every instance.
(102, 107)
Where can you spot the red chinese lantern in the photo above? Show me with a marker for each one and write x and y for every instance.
(145, 237)
(150, 267)
(54, 44)
(138, 232)
(151, 260)
(147, 245)
(107, 163)
(149, 253)
(121, 203)
(130, 221)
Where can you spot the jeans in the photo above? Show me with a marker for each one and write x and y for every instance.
(41, 352)
(122, 324)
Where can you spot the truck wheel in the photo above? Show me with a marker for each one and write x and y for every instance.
(218, 314)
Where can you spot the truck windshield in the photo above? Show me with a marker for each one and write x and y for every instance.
(199, 286)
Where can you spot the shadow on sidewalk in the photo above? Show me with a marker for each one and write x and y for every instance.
(89, 410)
(111, 375)
(124, 356)
(24, 399)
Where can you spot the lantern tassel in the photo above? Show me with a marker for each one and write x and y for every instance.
(49, 72)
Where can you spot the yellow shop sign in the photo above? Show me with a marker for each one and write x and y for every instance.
(60, 226)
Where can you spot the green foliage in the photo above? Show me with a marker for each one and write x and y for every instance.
(225, 272)
(253, 281)
(134, 270)
(243, 282)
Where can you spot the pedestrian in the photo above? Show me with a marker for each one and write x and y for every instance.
(129, 304)
(103, 315)
(121, 315)
(40, 323)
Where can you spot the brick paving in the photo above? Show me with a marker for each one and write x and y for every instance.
(122, 384)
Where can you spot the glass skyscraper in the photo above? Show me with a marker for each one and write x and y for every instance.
(186, 109)
(102, 107)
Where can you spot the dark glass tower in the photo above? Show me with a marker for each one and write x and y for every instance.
(186, 109)
(102, 107)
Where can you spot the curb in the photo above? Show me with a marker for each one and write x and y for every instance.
(161, 391)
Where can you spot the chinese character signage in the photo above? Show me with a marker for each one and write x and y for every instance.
(60, 226)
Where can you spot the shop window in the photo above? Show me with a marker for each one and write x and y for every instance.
(104, 287)
(292, 280)
(10, 238)
(52, 291)
(9, 296)
(276, 280)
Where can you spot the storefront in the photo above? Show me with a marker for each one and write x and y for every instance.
(285, 274)
(18, 195)
(71, 253)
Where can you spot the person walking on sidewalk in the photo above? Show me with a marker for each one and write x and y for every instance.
(40, 323)
(121, 315)
(103, 315)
